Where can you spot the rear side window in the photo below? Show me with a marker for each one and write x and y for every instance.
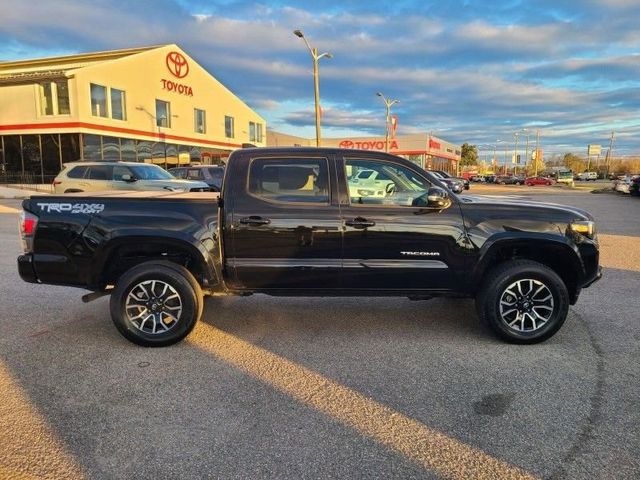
(298, 180)
(100, 172)
(177, 172)
(194, 174)
(77, 172)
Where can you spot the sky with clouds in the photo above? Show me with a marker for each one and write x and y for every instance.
(466, 70)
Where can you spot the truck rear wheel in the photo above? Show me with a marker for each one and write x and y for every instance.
(156, 304)
(523, 301)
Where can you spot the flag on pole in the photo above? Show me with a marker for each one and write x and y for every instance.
(394, 126)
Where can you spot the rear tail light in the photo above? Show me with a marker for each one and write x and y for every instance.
(28, 223)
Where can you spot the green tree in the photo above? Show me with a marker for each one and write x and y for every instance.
(574, 162)
(469, 155)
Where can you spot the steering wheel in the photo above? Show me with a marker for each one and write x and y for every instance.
(390, 189)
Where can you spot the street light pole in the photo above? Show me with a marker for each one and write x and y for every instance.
(535, 162)
(316, 80)
(388, 103)
(515, 154)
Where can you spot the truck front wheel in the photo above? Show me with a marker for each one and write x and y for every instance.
(523, 301)
(156, 304)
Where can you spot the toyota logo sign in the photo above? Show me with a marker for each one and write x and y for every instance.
(346, 144)
(177, 64)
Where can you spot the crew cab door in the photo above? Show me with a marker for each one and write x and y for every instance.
(392, 239)
(282, 223)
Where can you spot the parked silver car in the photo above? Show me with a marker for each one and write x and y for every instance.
(98, 176)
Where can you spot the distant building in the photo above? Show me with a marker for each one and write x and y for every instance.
(153, 104)
(431, 153)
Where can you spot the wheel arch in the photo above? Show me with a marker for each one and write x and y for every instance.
(556, 253)
(123, 253)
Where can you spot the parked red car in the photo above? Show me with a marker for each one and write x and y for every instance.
(529, 181)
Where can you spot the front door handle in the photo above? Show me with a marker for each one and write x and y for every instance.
(359, 222)
(255, 220)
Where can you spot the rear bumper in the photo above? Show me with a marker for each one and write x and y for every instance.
(25, 268)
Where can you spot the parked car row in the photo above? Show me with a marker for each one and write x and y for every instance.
(627, 184)
(85, 176)
(514, 180)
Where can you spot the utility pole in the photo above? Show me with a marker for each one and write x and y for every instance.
(515, 154)
(609, 153)
(535, 162)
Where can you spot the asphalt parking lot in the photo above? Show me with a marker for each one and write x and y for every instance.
(317, 388)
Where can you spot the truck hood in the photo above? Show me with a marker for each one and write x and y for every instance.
(521, 205)
(485, 217)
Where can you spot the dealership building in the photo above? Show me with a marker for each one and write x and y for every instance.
(153, 104)
(424, 149)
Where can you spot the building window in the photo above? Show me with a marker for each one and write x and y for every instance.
(98, 100)
(118, 109)
(54, 98)
(163, 114)
(259, 132)
(252, 131)
(228, 127)
(199, 120)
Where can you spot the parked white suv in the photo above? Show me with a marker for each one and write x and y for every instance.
(98, 176)
(586, 176)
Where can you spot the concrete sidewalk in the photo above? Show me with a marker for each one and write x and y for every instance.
(6, 192)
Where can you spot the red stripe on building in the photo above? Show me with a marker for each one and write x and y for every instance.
(107, 128)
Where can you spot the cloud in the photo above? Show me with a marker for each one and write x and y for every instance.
(458, 67)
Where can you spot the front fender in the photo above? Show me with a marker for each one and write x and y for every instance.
(548, 248)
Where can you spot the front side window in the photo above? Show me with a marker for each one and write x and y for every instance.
(99, 101)
(54, 98)
(119, 171)
(199, 120)
(373, 182)
(150, 172)
(163, 113)
(299, 180)
(118, 104)
(228, 127)
(100, 172)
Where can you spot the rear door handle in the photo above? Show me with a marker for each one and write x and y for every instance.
(255, 220)
(359, 222)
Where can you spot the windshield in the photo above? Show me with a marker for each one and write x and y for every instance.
(150, 172)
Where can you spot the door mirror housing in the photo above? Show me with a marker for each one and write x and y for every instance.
(437, 198)
(128, 178)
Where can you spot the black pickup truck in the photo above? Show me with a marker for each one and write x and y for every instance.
(310, 222)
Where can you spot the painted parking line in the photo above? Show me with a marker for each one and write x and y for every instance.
(431, 449)
(30, 448)
(4, 209)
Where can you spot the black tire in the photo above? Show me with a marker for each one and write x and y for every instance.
(495, 286)
(187, 306)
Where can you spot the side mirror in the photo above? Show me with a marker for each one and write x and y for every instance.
(437, 198)
(128, 178)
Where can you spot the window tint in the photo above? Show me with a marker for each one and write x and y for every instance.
(100, 172)
(77, 172)
(216, 172)
(290, 179)
(194, 173)
(177, 172)
(119, 171)
(386, 184)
